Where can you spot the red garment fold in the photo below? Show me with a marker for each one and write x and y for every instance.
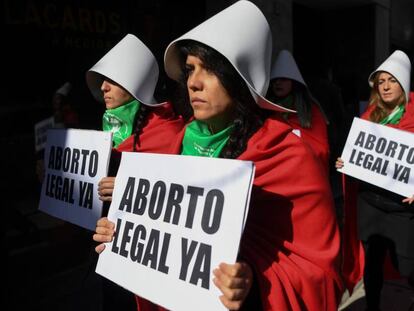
(316, 136)
(161, 126)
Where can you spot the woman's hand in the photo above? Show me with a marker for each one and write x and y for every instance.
(408, 200)
(234, 281)
(339, 163)
(104, 232)
(106, 188)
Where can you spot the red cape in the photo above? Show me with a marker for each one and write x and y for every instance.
(291, 237)
(162, 125)
(353, 252)
(316, 136)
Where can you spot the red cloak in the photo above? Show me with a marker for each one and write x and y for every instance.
(316, 136)
(160, 128)
(291, 238)
(353, 252)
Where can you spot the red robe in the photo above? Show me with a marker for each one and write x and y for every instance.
(353, 252)
(161, 127)
(316, 136)
(291, 238)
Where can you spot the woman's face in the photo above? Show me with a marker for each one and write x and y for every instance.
(114, 95)
(281, 87)
(209, 99)
(388, 88)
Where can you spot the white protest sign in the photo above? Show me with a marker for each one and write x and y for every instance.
(380, 155)
(177, 218)
(75, 161)
(40, 130)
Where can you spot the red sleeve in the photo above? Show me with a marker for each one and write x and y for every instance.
(291, 237)
(352, 250)
(407, 121)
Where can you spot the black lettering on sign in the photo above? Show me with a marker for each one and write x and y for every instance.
(126, 238)
(93, 163)
(401, 173)
(115, 248)
(126, 201)
(137, 248)
(202, 264)
(151, 250)
(201, 270)
(410, 156)
(360, 139)
(151, 253)
(140, 203)
(351, 159)
(369, 144)
(195, 193)
(381, 144)
(74, 167)
(157, 200)
(68, 160)
(214, 197)
(59, 188)
(175, 197)
(391, 149)
(186, 255)
(85, 194)
(85, 153)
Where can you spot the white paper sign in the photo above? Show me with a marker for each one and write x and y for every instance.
(380, 155)
(177, 218)
(40, 130)
(75, 161)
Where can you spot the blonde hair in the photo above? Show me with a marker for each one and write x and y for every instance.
(381, 111)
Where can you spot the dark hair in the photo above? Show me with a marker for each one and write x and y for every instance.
(301, 102)
(139, 123)
(248, 115)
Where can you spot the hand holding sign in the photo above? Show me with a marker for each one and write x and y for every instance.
(339, 163)
(104, 232)
(106, 188)
(409, 200)
(234, 281)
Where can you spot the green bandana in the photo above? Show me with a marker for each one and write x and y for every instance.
(286, 102)
(198, 140)
(395, 116)
(120, 120)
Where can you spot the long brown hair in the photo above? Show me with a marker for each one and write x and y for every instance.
(381, 111)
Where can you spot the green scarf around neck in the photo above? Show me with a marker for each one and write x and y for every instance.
(286, 102)
(395, 116)
(120, 121)
(198, 140)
